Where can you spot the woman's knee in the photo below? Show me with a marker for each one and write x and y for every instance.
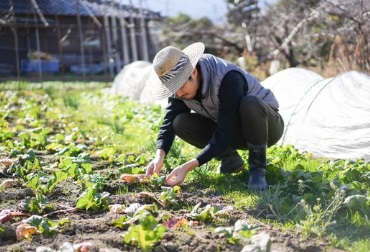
(179, 123)
(252, 105)
(193, 128)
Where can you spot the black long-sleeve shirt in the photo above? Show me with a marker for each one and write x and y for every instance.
(233, 88)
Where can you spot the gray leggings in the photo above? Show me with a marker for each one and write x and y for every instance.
(258, 124)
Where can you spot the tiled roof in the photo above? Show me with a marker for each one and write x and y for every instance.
(66, 7)
(52, 7)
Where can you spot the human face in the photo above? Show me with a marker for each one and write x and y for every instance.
(190, 87)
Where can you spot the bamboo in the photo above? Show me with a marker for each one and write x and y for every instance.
(14, 30)
(82, 51)
(115, 37)
(59, 36)
(16, 51)
(38, 11)
(38, 48)
(125, 51)
(108, 42)
(92, 16)
(133, 35)
(27, 26)
(102, 35)
(98, 24)
(144, 41)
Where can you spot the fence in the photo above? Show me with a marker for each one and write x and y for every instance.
(72, 40)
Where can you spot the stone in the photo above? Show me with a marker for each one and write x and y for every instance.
(44, 249)
(259, 243)
(66, 247)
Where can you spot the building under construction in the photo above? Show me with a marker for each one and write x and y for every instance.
(46, 38)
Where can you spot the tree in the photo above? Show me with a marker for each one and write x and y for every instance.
(312, 31)
(345, 34)
(285, 25)
(244, 16)
(296, 32)
(182, 30)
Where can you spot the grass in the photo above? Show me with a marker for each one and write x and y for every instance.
(306, 195)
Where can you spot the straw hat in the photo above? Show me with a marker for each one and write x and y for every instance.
(174, 67)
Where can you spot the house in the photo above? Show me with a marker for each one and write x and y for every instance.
(41, 37)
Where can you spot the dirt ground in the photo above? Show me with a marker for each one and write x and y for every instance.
(104, 236)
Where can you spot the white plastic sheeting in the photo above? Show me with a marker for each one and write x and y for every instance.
(130, 81)
(326, 117)
(139, 82)
(151, 84)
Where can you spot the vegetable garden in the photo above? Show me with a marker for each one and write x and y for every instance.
(66, 155)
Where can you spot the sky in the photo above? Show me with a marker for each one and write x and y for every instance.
(213, 9)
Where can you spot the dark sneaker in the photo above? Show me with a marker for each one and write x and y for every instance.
(257, 180)
(231, 163)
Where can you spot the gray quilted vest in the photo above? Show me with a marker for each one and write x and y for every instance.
(213, 70)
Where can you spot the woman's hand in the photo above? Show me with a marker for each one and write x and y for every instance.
(177, 176)
(156, 165)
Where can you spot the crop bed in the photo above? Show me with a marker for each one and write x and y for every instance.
(63, 155)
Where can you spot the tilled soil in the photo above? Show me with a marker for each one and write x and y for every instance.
(104, 236)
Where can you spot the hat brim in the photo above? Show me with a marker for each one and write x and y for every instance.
(194, 52)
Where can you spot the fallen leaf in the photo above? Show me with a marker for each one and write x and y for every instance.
(152, 196)
(7, 183)
(85, 247)
(223, 209)
(117, 208)
(193, 223)
(7, 162)
(148, 207)
(25, 231)
(176, 222)
(132, 208)
(7, 215)
(146, 194)
(134, 178)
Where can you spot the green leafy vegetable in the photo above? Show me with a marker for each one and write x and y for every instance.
(93, 201)
(146, 233)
